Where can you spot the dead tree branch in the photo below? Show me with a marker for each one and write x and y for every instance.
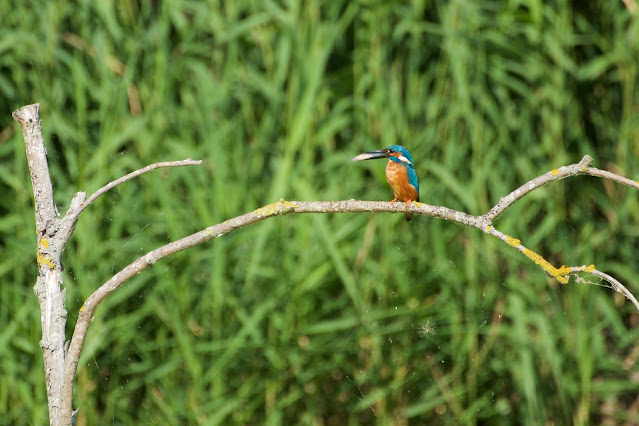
(631, 5)
(80, 202)
(54, 233)
(47, 288)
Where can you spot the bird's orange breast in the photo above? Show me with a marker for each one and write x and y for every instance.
(397, 177)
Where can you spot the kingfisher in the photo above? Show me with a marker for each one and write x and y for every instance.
(400, 173)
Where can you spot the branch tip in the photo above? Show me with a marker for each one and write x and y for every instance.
(585, 162)
(26, 114)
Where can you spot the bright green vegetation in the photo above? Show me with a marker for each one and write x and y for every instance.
(327, 319)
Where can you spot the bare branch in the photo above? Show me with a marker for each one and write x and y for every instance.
(581, 168)
(80, 202)
(285, 207)
(143, 170)
(55, 232)
(29, 119)
(591, 171)
(616, 285)
(531, 185)
(47, 288)
(631, 5)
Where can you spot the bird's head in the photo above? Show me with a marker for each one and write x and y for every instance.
(395, 153)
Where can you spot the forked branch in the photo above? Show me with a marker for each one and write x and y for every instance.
(55, 232)
(283, 207)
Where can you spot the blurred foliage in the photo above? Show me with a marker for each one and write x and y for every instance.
(327, 319)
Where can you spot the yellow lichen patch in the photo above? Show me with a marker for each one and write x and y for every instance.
(44, 243)
(82, 308)
(514, 242)
(275, 208)
(589, 268)
(564, 270)
(289, 205)
(266, 210)
(554, 172)
(489, 228)
(558, 274)
(43, 260)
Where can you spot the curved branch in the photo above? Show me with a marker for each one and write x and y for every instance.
(55, 232)
(282, 207)
(616, 285)
(531, 185)
(129, 176)
(80, 202)
(581, 168)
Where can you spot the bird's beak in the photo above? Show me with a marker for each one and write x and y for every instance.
(371, 155)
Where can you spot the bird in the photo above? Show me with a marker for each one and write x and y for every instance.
(400, 173)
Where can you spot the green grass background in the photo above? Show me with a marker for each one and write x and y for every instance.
(327, 319)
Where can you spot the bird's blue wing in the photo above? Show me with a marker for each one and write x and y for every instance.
(412, 178)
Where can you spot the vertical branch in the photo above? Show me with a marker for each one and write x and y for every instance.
(29, 119)
(48, 284)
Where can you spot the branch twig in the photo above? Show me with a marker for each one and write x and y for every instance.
(581, 168)
(79, 202)
(616, 285)
(110, 185)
